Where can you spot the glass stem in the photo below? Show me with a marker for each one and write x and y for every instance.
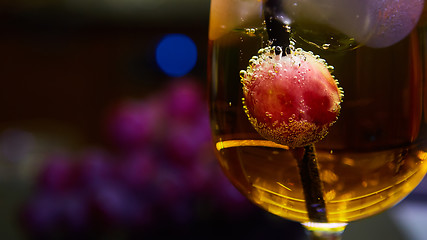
(325, 231)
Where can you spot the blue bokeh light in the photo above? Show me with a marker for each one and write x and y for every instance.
(176, 55)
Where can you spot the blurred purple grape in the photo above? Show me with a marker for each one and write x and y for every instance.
(109, 201)
(171, 186)
(75, 211)
(42, 212)
(116, 206)
(184, 100)
(58, 174)
(134, 124)
(138, 213)
(182, 145)
(96, 167)
(197, 177)
(188, 121)
(173, 195)
(138, 168)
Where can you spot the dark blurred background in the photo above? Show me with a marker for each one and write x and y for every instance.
(104, 130)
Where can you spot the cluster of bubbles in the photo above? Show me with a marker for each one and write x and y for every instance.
(159, 172)
(271, 56)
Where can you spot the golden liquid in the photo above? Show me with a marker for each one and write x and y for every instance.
(356, 185)
(373, 156)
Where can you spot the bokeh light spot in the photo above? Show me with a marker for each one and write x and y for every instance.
(176, 55)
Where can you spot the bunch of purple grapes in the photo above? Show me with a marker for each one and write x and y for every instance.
(160, 171)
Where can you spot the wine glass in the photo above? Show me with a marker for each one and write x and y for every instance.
(365, 158)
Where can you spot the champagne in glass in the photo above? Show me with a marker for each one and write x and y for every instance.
(374, 154)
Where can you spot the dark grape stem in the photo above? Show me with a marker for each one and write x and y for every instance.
(276, 28)
(312, 186)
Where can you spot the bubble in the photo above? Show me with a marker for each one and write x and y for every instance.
(250, 32)
(243, 74)
(252, 62)
(326, 46)
(278, 51)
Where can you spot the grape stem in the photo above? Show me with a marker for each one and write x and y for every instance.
(276, 28)
(312, 186)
